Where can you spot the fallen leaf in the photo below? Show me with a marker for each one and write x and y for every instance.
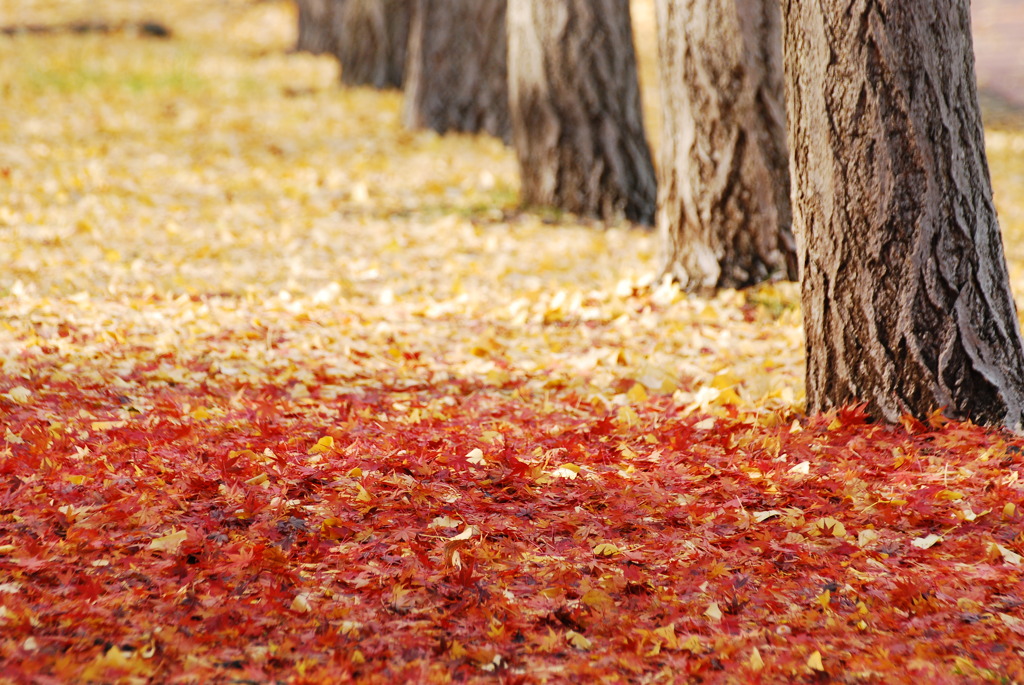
(170, 542)
(927, 541)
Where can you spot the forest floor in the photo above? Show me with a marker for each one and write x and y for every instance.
(289, 393)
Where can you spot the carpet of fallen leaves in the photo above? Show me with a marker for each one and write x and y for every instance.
(290, 394)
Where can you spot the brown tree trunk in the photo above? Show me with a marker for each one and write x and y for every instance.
(316, 25)
(575, 105)
(723, 195)
(456, 78)
(371, 44)
(906, 298)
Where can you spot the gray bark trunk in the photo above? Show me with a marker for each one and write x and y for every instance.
(316, 25)
(456, 78)
(575, 104)
(372, 38)
(723, 193)
(906, 298)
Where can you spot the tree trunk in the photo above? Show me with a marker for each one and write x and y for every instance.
(906, 298)
(723, 196)
(456, 78)
(575, 105)
(316, 25)
(372, 38)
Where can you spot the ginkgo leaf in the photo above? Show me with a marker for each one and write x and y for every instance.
(814, 661)
(444, 522)
(568, 471)
(668, 634)
(830, 526)
(866, 537)
(637, 393)
(755, 662)
(218, 257)
(578, 641)
(301, 603)
(713, 612)
(170, 542)
(323, 445)
(18, 394)
(598, 599)
(1008, 555)
(466, 534)
(926, 541)
(606, 549)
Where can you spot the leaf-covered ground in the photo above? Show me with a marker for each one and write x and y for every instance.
(291, 394)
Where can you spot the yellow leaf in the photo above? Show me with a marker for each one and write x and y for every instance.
(627, 416)
(803, 468)
(949, 495)
(569, 471)
(476, 456)
(598, 599)
(18, 394)
(926, 541)
(444, 522)
(606, 549)
(76, 480)
(824, 599)
(814, 661)
(755, 662)
(724, 380)
(456, 650)
(107, 425)
(637, 393)
(493, 437)
(1009, 509)
(713, 612)
(668, 634)
(760, 516)
(301, 603)
(363, 495)
(578, 641)
(258, 480)
(201, 414)
(466, 534)
(727, 397)
(170, 542)
(550, 643)
(692, 644)
(829, 525)
(324, 444)
(1009, 556)
(866, 537)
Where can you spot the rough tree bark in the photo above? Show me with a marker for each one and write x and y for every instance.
(906, 298)
(575, 104)
(316, 25)
(456, 77)
(723, 192)
(371, 42)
